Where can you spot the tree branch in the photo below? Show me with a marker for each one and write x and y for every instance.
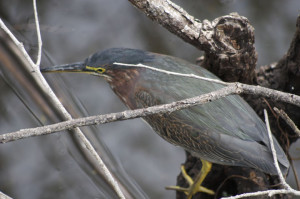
(177, 21)
(232, 88)
(227, 41)
(193, 31)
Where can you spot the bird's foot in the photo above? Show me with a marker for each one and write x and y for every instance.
(194, 187)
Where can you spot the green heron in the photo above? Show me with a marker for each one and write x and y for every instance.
(226, 131)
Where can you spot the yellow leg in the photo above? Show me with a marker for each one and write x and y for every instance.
(194, 186)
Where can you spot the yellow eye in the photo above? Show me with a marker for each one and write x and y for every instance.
(100, 70)
(95, 69)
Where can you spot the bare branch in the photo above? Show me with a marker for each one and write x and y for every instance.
(193, 31)
(175, 19)
(178, 21)
(269, 93)
(38, 32)
(286, 186)
(288, 120)
(228, 41)
(174, 73)
(233, 88)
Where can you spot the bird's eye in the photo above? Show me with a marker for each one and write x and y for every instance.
(100, 70)
(95, 69)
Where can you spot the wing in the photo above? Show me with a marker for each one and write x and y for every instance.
(225, 131)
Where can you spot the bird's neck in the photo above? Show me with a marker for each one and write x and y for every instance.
(123, 83)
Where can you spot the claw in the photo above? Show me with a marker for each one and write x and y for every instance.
(194, 186)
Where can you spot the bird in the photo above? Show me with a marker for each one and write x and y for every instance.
(226, 131)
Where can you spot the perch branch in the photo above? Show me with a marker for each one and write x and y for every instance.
(232, 88)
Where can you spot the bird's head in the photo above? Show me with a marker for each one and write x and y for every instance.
(78, 67)
(104, 63)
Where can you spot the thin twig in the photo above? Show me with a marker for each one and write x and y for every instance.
(38, 77)
(288, 120)
(38, 32)
(174, 73)
(282, 180)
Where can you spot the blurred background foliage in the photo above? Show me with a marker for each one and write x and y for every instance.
(51, 166)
